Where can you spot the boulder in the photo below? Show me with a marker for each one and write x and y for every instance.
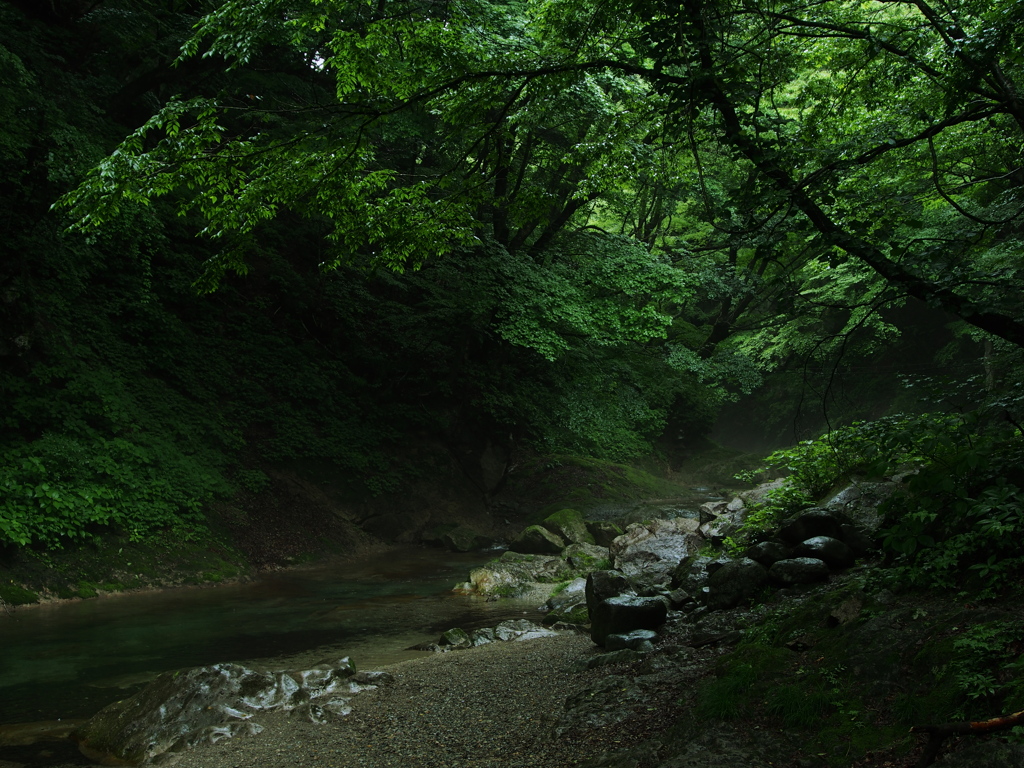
(604, 584)
(760, 493)
(571, 596)
(456, 638)
(569, 525)
(640, 640)
(652, 550)
(586, 557)
(181, 709)
(834, 552)
(517, 574)
(709, 510)
(625, 613)
(521, 629)
(767, 553)
(798, 570)
(483, 636)
(860, 502)
(537, 540)
(717, 530)
(691, 574)
(463, 539)
(604, 532)
(734, 582)
(857, 540)
(811, 523)
(621, 656)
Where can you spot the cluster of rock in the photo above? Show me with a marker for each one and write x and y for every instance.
(656, 566)
(563, 546)
(507, 631)
(208, 704)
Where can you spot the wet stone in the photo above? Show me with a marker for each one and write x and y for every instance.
(623, 614)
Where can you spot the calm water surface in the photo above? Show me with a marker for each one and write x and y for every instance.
(70, 659)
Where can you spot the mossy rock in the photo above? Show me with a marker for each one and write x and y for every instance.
(538, 540)
(569, 525)
(13, 594)
(578, 616)
(457, 638)
(604, 532)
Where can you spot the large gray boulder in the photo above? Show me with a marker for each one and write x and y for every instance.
(710, 510)
(691, 574)
(586, 557)
(571, 596)
(641, 640)
(456, 638)
(521, 629)
(604, 532)
(181, 709)
(723, 526)
(860, 502)
(734, 582)
(767, 553)
(651, 551)
(625, 613)
(464, 539)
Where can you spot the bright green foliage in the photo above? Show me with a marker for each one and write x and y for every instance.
(873, 449)
(988, 667)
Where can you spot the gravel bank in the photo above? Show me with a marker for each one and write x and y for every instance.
(488, 707)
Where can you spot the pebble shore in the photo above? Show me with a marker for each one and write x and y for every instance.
(488, 707)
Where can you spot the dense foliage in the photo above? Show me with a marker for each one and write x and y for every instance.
(578, 226)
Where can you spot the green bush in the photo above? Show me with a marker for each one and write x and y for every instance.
(59, 488)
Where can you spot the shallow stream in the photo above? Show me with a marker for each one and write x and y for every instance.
(68, 660)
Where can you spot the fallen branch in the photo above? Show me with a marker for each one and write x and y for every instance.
(937, 734)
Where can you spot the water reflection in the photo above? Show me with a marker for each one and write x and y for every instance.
(70, 659)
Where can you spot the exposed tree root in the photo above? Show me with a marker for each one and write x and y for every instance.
(937, 734)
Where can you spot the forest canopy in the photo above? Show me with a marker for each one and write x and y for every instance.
(318, 227)
(796, 134)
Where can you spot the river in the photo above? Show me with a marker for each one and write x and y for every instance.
(68, 660)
